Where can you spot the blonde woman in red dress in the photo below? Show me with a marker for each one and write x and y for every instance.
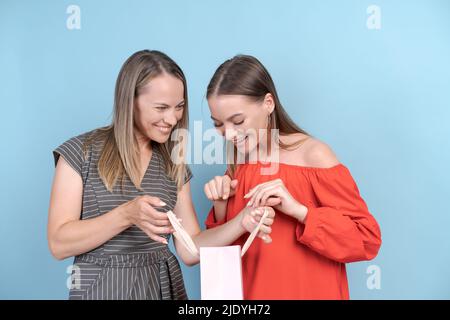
(321, 221)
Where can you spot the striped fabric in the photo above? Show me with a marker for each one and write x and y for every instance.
(130, 265)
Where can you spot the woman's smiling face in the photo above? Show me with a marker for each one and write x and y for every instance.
(158, 107)
(240, 118)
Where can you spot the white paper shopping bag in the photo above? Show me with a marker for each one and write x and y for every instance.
(221, 273)
(220, 267)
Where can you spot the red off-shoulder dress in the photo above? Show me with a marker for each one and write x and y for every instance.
(305, 261)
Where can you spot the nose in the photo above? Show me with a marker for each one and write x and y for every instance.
(230, 133)
(170, 118)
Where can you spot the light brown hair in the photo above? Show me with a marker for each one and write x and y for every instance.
(245, 75)
(120, 153)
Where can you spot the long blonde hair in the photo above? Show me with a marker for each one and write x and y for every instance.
(246, 75)
(120, 153)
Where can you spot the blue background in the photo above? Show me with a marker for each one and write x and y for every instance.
(379, 98)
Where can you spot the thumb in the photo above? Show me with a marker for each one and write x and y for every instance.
(154, 201)
(273, 201)
(233, 184)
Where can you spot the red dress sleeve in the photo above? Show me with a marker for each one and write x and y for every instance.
(341, 227)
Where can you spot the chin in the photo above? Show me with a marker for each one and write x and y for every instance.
(158, 137)
(246, 151)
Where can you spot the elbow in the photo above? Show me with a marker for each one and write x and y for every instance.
(187, 258)
(190, 260)
(56, 253)
(56, 250)
(373, 249)
(369, 252)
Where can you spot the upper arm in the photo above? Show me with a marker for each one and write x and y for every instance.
(66, 196)
(319, 155)
(184, 210)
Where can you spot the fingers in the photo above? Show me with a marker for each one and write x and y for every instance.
(265, 237)
(226, 186)
(154, 214)
(251, 192)
(265, 229)
(261, 185)
(268, 191)
(156, 229)
(147, 229)
(213, 190)
(257, 192)
(219, 188)
(156, 238)
(233, 187)
(271, 211)
(267, 221)
(208, 192)
(273, 201)
(259, 212)
(218, 185)
(256, 218)
(254, 189)
(264, 198)
(153, 201)
(160, 223)
(233, 184)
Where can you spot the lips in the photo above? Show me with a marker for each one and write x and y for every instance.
(240, 140)
(163, 129)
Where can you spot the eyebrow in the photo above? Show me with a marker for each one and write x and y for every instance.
(166, 105)
(229, 118)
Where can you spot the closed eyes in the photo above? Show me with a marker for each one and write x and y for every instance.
(218, 125)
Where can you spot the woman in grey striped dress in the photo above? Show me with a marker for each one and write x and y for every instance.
(113, 185)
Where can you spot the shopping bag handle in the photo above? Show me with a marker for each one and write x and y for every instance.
(189, 244)
(182, 235)
(254, 233)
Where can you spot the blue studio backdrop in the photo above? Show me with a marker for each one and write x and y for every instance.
(370, 78)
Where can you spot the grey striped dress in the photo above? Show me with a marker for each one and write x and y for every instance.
(130, 265)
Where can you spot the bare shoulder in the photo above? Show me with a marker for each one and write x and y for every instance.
(318, 154)
(310, 152)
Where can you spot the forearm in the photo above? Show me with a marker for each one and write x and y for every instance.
(300, 213)
(222, 235)
(220, 209)
(77, 237)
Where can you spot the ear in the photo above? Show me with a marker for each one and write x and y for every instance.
(269, 103)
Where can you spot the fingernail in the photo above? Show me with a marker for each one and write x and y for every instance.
(249, 204)
(253, 220)
(162, 203)
(165, 242)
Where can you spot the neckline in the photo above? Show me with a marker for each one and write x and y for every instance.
(152, 159)
(296, 166)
